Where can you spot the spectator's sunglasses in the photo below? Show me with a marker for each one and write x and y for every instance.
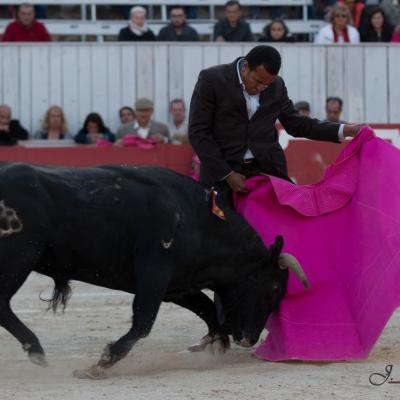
(341, 16)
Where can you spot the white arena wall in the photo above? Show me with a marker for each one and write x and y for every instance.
(101, 77)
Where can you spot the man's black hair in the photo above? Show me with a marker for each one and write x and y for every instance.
(335, 99)
(267, 56)
(231, 3)
(177, 7)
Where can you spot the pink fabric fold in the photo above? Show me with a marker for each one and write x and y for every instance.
(345, 231)
(137, 141)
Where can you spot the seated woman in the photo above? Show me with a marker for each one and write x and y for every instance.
(93, 130)
(339, 30)
(137, 29)
(276, 31)
(54, 125)
(377, 28)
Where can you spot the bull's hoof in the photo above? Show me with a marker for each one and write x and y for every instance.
(213, 343)
(95, 372)
(38, 359)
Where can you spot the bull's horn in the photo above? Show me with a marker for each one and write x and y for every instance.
(286, 260)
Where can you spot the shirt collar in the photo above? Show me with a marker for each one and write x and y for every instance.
(238, 68)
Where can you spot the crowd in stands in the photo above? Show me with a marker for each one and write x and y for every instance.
(349, 21)
(134, 122)
(137, 122)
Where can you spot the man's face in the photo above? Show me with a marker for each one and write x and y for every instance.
(178, 17)
(5, 116)
(256, 80)
(143, 117)
(232, 14)
(333, 111)
(26, 15)
(178, 112)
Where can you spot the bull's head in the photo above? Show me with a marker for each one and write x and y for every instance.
(251, 303)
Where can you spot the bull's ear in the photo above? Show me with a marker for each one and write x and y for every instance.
(276, 249)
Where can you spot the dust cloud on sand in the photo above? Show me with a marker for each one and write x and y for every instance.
(159, 368)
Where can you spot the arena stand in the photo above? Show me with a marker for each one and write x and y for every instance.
(89, 24)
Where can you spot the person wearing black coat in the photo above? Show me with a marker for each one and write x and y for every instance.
(93, 130)
(10, 129)
(178, 30)
(232, 28)
(137, 29)
(233, 112)
(376, 28)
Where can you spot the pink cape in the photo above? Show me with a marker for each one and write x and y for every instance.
(345, 231)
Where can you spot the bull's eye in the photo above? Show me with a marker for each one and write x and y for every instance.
(275, 288)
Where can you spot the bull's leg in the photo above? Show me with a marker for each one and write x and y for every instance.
(10, 282)
(149, 295)
(25, 336)
(203, 306)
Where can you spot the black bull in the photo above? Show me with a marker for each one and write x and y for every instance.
(146, 231)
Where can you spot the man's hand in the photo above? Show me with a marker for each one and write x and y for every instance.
(236, 182)
(159, 139)
(351, 129)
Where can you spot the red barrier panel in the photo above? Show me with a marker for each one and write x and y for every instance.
(178, 158)
(307, 160)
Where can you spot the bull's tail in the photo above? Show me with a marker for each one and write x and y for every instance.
(61, 294)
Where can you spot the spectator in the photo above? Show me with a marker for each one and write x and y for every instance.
(276, 31)
(10, 129)
(25, 28)
(137, 29)
(333, 108)
(377, 29)
(356, 8)
(339, 30)
(54, 125)
(127, 117)
(232, 28)
(303, 107)
(178, 126)
(144, 126)
(94, 129)
(178, 30)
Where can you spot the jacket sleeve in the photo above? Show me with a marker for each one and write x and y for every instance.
(306, 127)
(194, 35)
(162, 35)
(7, 35)
(201, 121)
(122, 35)
(81, 137)
(17, 131)
(45, 35)
(217, 30)
(108, 135)
(249, 36)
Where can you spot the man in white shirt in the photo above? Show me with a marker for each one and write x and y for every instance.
(144, 126)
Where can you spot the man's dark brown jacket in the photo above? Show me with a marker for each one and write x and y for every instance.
(221, 132)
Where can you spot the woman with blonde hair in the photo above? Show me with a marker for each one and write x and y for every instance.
(339, 30)
(54, 125)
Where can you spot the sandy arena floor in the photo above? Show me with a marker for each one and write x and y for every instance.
(158, 368)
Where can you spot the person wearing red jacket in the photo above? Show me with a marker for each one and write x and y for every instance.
(25, 28)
